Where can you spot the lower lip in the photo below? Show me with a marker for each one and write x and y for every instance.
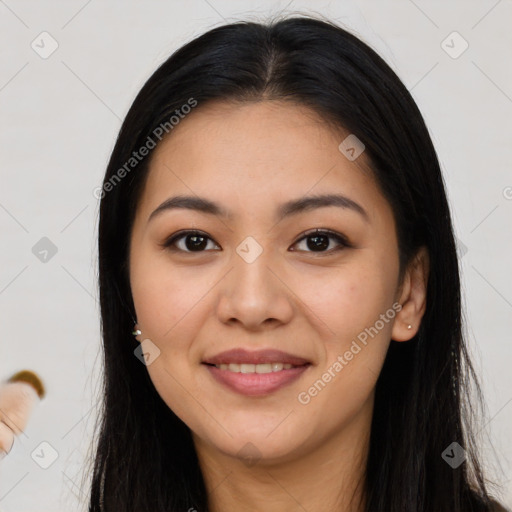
(256, 384)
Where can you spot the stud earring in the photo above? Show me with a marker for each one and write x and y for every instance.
(409, 326)
(136, 332)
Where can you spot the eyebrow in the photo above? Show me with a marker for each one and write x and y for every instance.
(287, 209)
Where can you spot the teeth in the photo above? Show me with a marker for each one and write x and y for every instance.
(254, 368)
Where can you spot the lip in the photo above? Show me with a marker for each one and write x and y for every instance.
(256, 384)
(240, 355)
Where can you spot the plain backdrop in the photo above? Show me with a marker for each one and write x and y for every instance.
(60, 113)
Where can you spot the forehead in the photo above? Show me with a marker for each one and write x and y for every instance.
(252, 154)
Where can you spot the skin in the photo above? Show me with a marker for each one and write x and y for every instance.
(250, 158)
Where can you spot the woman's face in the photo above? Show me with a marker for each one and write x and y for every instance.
(253, 280)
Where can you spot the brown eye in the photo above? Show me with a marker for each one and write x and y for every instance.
(193, 241)
(319, 240)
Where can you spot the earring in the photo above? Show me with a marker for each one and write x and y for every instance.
(136, 332)
(409, 326)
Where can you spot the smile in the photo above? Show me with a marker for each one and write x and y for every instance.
(254, 368)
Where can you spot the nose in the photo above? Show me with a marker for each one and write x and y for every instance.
(255, 294)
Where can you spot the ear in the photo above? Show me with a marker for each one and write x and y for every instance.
(412, 295)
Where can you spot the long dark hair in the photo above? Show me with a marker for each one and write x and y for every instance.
(145, 458)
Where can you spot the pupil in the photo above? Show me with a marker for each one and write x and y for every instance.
(198, 242)
(323, 244)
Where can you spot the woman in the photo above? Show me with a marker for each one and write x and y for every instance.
(274, 232)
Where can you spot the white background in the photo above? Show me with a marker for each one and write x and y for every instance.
(59, 119)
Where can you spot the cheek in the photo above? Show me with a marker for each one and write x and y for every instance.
(350, 299)
(165, 300)
(357, 307)
(165, 297)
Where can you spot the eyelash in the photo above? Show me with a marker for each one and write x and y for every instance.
(169, 243)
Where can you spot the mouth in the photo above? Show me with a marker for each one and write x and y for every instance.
(255, 373)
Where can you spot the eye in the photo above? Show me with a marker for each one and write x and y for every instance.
(320, 240)
(195, 241)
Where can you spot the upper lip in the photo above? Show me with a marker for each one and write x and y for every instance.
(240, 356)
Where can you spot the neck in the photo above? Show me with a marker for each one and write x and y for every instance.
(329, 476)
